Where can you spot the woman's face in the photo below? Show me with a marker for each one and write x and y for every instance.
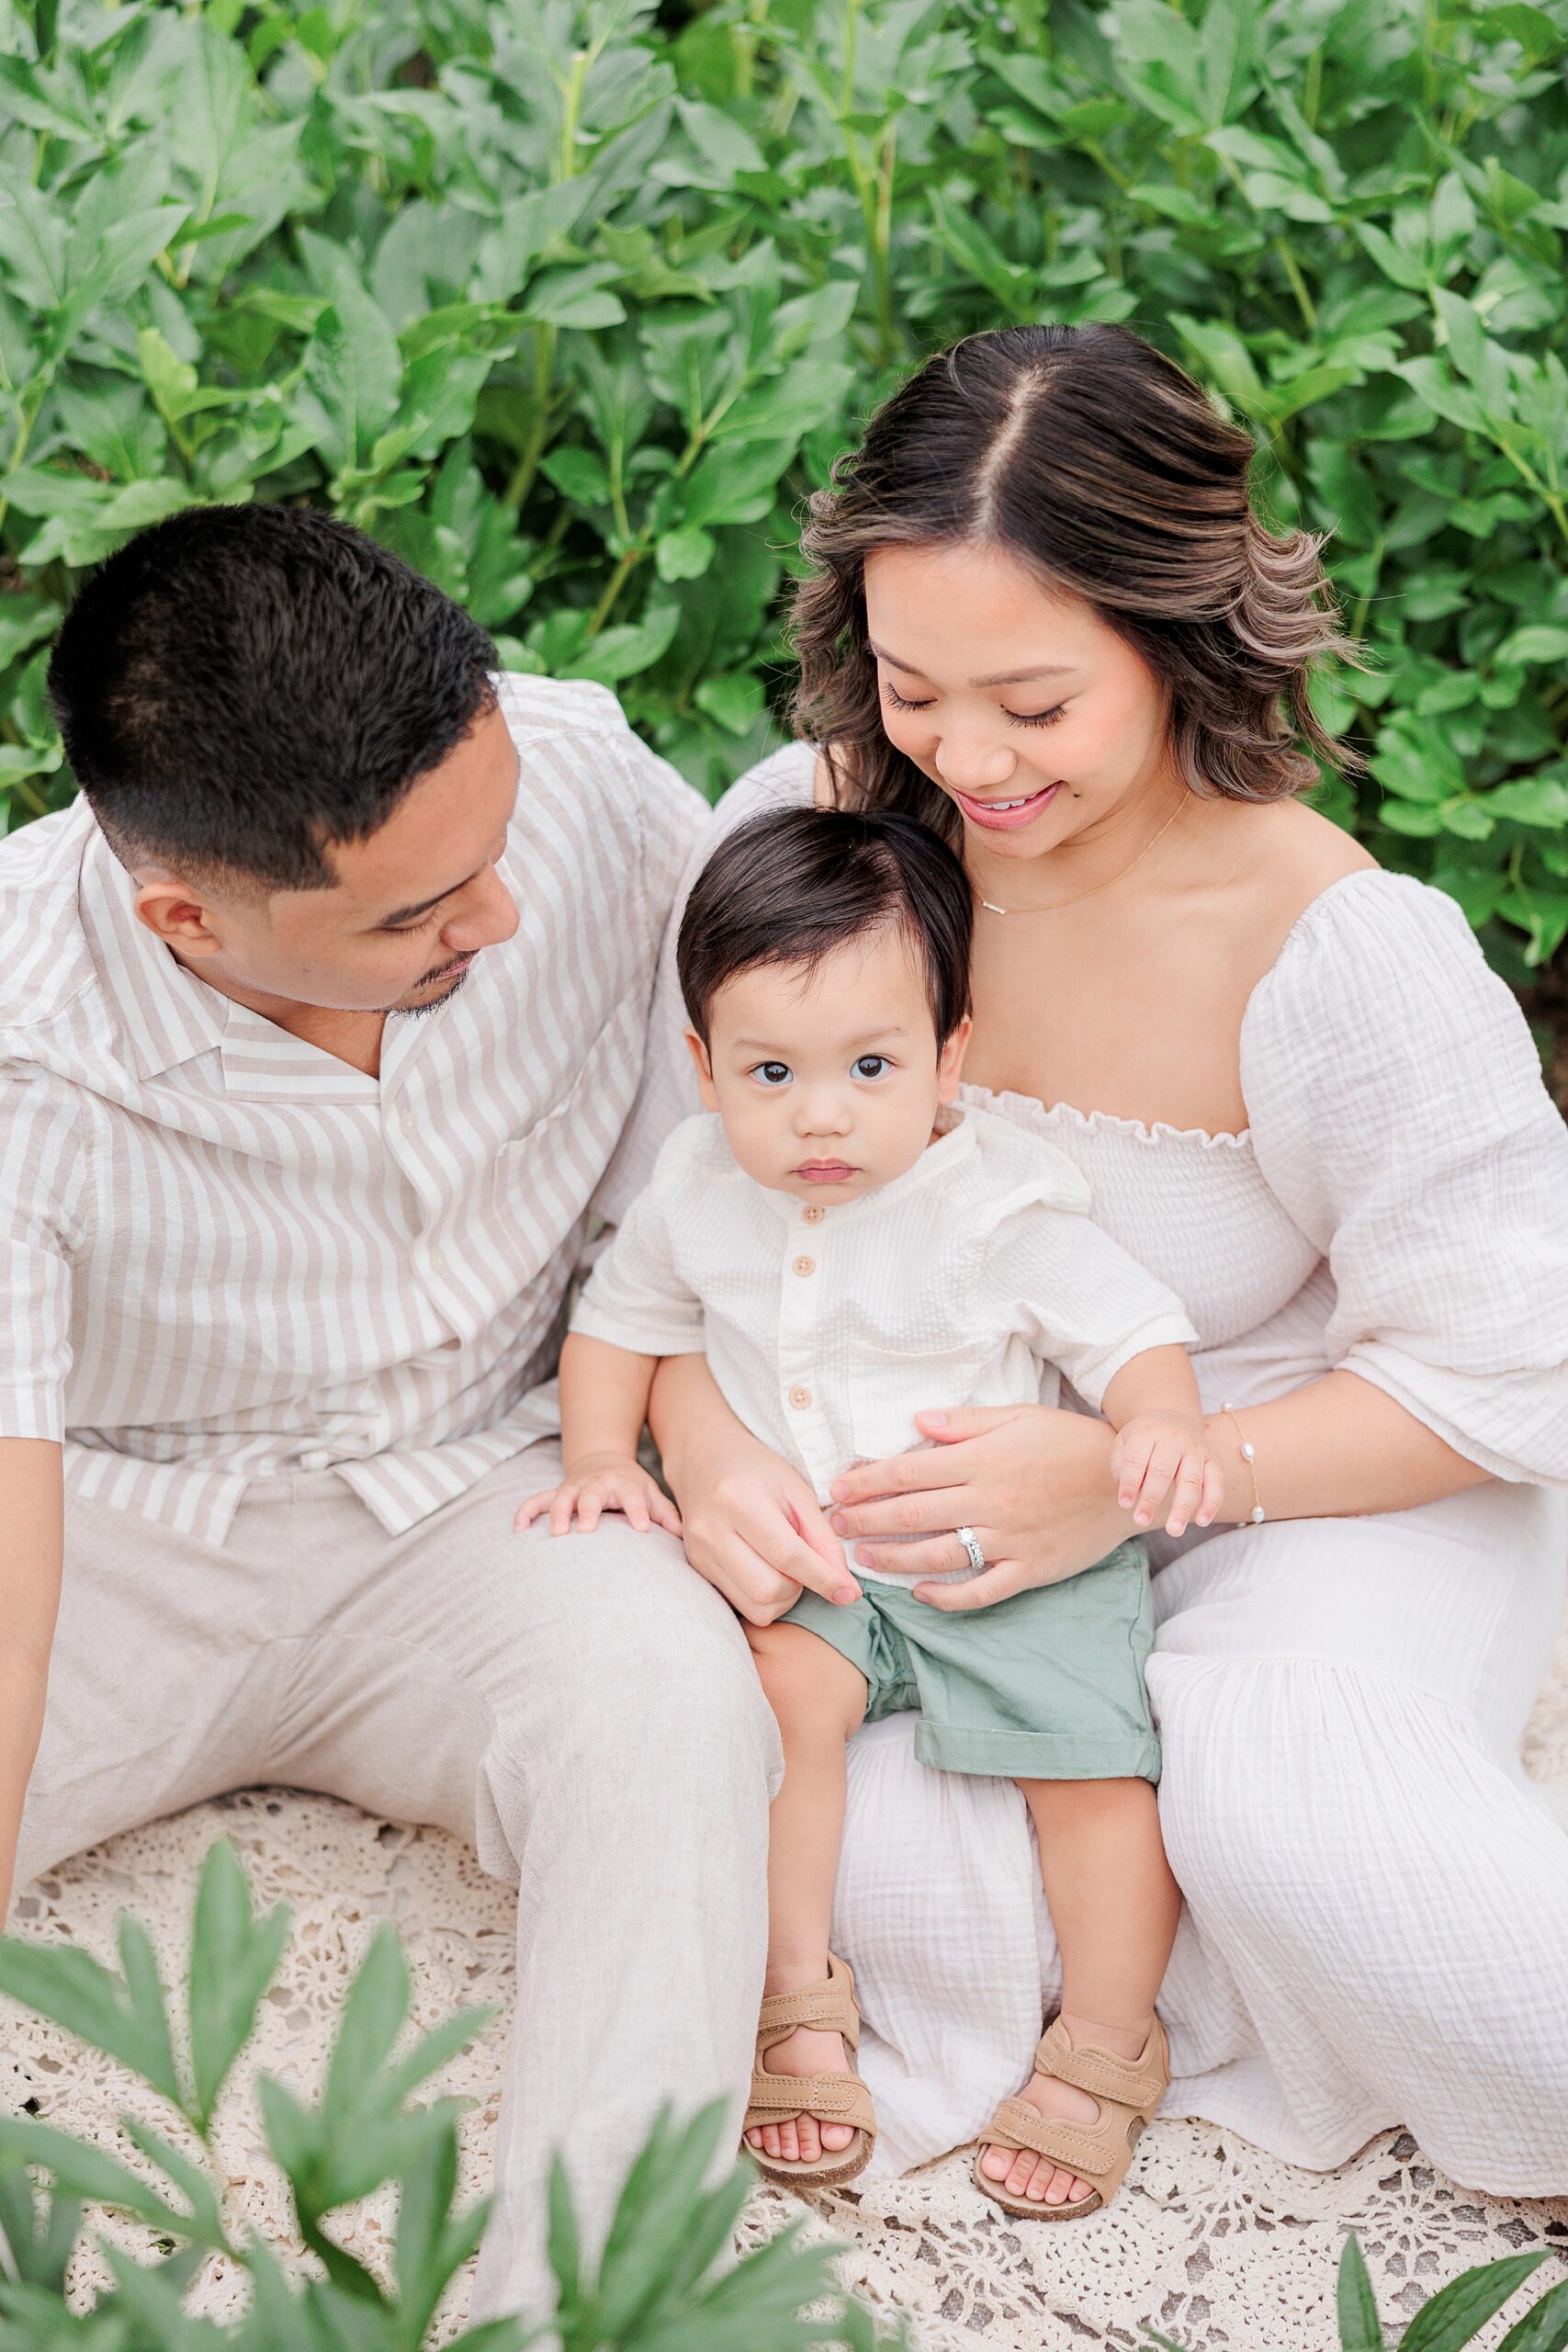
(1036, 719)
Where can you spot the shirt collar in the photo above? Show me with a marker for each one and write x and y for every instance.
(169, 1017)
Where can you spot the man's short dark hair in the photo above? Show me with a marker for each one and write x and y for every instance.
(794, 886)
(241, 685)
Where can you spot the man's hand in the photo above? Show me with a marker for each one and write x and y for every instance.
(1162, 1461)
(598, 1483)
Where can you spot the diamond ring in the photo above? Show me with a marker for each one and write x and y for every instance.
(971, 1544)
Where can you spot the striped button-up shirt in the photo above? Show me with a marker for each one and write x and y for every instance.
(225, 1254)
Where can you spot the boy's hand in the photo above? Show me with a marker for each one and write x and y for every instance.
(1164, 1458)
(598, 1483)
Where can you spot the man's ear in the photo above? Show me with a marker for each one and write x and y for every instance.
(173, 913)
(950, 1062)
(701, 1057)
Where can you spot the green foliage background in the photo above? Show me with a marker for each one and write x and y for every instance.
(571, 301)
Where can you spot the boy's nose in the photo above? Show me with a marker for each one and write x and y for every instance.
(822, 1115)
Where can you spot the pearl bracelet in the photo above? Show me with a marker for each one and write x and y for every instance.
(1249, 1455)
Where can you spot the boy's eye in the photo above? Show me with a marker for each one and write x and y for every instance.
(871, 1065)
(772, 1073)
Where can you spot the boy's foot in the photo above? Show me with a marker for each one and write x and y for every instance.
(804, 2139)
(1025, 2175)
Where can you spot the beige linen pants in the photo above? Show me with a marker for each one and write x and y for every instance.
(581, 1709)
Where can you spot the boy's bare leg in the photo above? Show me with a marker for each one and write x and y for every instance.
(818, 1698)
(1114, 1906)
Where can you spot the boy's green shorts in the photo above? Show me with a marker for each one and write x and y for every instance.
(1046, 1686)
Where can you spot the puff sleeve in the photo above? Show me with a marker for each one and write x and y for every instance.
(1397, 1112)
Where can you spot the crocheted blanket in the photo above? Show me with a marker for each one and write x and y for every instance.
(1216, 2244)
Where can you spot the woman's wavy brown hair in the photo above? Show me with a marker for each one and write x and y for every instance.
(1093, 460)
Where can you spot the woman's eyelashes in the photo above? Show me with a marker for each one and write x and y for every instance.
(1014, 717)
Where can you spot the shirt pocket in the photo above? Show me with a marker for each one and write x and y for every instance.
(889, 1386)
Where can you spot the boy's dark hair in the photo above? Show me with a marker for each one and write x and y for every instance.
(792, 887)
(240, 685)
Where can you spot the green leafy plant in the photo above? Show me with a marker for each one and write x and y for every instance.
(1455, 2316)
(573, 304)
(655, 2287)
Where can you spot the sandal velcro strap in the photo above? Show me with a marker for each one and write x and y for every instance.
(1139, 2083)
(1083, 2148)
(827, 2006)
(832, 2099)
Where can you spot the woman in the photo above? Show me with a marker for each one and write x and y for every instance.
(1044, 618)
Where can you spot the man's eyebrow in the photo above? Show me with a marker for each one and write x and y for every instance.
(999, 678)
(411, 914)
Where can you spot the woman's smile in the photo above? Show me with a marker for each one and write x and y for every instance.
(1006, 816)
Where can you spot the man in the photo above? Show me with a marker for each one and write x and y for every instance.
(322, 1018)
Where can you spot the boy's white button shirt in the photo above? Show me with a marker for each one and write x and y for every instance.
(972, 1278)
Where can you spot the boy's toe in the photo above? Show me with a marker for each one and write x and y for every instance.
(808, 2139)
(836, 2137)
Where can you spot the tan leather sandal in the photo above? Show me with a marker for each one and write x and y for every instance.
(825, 2007)
(1128, 2090)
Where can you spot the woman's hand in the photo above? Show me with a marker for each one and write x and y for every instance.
(752, 1525)
(1034, 1484)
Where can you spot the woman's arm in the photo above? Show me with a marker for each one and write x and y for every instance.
(1036, 1486)
(1336, 1448)
(753, 1527)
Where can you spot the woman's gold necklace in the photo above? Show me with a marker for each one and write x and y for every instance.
(1057, 904)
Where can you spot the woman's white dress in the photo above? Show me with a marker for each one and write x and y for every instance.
(1376, 1929)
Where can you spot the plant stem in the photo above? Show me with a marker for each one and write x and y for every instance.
(612, 587)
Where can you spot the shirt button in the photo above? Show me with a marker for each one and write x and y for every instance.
(409, 1123)
(315, 1461)
(437, 1262)
(813, 1215)
(800, 1399)
(803, 1265)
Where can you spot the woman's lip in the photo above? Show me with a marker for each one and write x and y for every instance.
(1007, 820)
(824, 1172)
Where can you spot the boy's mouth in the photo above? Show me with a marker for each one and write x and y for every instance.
(823, 1171)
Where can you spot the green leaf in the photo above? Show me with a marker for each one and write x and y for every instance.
(1535, 31)
(617, 653)
(1538, 641)
(733, 698)
(23, 621)
(573, 297)
(123, 2018)
(719, 138)
(1542, 2329)
(577, 474)
(1536, 800)
(1456, 2316)
(684, 554)
(86, 2173)
(233, 1960)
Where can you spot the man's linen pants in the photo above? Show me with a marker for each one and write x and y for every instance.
(581, 1709)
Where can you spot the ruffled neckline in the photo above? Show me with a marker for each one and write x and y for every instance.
(1028, 1110)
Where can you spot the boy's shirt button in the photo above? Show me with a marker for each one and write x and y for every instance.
(813, 1213)
(804, 1265)
(800, 1399)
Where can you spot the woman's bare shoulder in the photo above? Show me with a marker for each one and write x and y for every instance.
(1289, 855)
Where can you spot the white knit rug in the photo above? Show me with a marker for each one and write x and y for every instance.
(1216, 2244)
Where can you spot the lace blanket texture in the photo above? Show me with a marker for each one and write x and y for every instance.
(1215, 2243)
